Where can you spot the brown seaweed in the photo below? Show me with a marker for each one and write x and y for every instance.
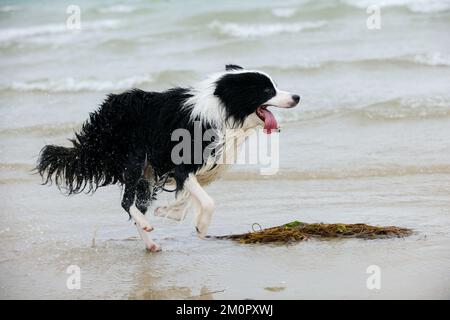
(297, 231)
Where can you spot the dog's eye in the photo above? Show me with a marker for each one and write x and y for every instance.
(268, 90)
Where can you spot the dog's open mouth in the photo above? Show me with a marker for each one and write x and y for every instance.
(270, 123)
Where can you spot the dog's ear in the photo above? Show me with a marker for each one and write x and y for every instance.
(231, 67)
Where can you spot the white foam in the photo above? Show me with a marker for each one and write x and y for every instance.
(429, 6)
(262, 30)
(51, 29)
(72, 85)
(432, 59)
(417, 6)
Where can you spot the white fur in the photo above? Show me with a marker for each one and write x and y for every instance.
(143, 227)
(140, 220)
(205, 202)
(282, 99)
(193, 193)
(204, 105)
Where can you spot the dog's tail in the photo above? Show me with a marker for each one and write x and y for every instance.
(73, 169)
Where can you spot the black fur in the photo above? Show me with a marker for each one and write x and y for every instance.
(128, 132)
(230, 67)
(131, 132)
(243, 93)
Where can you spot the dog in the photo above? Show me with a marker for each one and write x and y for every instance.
(128, 140)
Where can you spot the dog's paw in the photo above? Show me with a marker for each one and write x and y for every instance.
(202, 227)
(153, 247)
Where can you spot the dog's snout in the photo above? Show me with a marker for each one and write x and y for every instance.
(296, 98)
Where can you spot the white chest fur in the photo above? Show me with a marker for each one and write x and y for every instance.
(232, 140)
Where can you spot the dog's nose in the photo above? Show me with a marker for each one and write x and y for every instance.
(296, 98)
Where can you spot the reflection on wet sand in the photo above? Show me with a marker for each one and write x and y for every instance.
(174, 293)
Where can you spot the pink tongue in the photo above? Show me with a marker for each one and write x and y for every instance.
(270, 123)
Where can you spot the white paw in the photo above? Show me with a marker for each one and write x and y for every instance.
(153, 247)
(202, 226)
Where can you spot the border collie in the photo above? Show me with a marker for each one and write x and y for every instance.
(128, 141)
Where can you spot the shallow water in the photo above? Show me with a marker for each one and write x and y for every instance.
(370, 143)
(40, 243)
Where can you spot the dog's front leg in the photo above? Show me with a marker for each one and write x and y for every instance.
(143, 227)
(205, 202)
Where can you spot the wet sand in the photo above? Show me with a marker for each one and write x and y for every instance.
(43, 232)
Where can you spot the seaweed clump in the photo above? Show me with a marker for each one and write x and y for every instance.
(297, 231)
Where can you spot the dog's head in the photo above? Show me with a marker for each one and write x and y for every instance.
(247, 94)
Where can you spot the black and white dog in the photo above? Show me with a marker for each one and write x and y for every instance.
(128, 141)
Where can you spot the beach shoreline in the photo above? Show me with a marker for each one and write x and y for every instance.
(40, 241)
(368, 143)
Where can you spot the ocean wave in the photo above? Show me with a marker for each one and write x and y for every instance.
(14, 34)
(9, 8)
(416, 6)
(413, 108)
(429, 7)
(433, 59)
(284, 12)
(118, 8)
(406, 108)
(73, 85)
(174, 77)
(42, 129)
(262, 30)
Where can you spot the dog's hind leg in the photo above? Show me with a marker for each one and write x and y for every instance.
(142, 225)
(178, 209)
(150, 245)
(128, 200)
(143, 195)
(133, 176)
(206, 204)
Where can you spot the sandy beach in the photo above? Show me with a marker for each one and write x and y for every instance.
(40, 243)
(369, 143)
